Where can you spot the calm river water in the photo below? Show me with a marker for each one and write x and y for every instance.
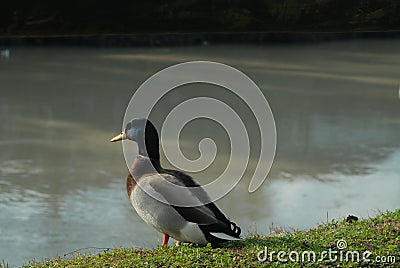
(62, 183)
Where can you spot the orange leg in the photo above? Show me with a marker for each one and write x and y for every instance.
(165, 242)
(178, 243)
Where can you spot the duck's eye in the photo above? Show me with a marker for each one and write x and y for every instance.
(128, 126)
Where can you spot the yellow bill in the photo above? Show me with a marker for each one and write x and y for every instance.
(119, 137)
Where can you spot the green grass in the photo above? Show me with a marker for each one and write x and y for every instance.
(379, 235)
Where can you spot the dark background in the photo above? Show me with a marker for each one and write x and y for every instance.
(88, 17)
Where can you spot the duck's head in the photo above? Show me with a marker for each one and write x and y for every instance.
(143, 132)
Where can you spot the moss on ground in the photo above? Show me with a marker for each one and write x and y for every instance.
(376, 239)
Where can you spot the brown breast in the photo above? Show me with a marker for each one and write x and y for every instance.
(130, 184)
(141, 167)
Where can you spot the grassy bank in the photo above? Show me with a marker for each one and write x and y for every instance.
(191, 38)
(48, 17)
(376, 239)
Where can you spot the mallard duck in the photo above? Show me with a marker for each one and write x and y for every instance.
(200, 224)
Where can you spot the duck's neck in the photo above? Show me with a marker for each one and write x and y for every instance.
(144, 165)
(151, 151)
(154, 162)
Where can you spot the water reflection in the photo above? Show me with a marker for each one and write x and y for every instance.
(62, 183)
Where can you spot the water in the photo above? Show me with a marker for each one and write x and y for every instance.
(62, 184)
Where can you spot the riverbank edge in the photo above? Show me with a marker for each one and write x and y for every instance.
(184, 39)
(374, 237)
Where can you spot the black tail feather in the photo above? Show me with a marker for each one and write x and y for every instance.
(228, 228)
